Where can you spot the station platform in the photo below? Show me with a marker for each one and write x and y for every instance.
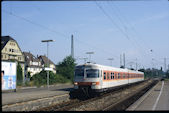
(156, 99)
(23, 96)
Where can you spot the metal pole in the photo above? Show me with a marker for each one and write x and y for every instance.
(124, 59)
(47, 60)
(72, 47)
(136, 64)
(47, 65)
(89, 57)
(120, 60)
(164, 64)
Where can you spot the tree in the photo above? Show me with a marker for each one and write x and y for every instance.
(66, 67)
(19, 74)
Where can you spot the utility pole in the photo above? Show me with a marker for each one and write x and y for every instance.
(164, 64)
(120, 61)
(47, 41)
(136, 64)
(124, 59)
(72, 47)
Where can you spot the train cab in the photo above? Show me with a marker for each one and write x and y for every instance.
(87, 77)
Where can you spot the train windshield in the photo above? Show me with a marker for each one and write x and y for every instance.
(79, 72)
(92, 73)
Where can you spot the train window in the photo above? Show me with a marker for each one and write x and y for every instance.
(115, 75)
(104, 75)
(111, 75)
(118, 75)
(123, 75)
(79, 72)
(108, 75)
(92, 73)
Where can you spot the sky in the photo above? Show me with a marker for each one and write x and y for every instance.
(139, 29)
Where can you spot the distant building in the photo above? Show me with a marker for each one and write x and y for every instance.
(44, 62)
(10, 51)
(32, 64)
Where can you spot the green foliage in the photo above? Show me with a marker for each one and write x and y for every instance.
(19, 75)
(66, 67)
(28, 75)
(167, 74)
(40, 79)
(65, 73)
(151, 73)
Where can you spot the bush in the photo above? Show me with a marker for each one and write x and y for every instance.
(19, 75)
(40, 79)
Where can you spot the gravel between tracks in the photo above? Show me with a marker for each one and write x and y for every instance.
(113, 98)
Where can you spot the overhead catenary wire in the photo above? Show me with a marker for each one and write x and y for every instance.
(61, 34)
(116, 25)
(147, 46)
(125, 25)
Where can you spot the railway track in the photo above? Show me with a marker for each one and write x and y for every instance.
(123, 96)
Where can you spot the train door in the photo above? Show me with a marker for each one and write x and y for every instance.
(101, 78)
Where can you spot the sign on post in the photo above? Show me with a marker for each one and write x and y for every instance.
(8, 75)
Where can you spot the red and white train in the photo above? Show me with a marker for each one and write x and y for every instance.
(99, 78)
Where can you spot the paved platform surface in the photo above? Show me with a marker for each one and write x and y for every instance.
(28, 94)
(155, 99)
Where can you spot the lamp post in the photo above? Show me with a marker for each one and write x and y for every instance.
(47, 41)
(89, 55)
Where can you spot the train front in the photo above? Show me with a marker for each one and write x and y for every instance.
(87, 79)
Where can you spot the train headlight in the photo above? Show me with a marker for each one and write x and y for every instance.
(95, 83)
(75, 83)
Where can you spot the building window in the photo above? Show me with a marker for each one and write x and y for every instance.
(5, 49)
(1, 56)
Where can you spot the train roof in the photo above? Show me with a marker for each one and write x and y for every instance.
(110, 68)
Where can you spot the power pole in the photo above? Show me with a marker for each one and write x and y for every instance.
(136, 64)
(120, 61)
(47, 41)
(72, 47)
(124, 59)
(164, 64)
